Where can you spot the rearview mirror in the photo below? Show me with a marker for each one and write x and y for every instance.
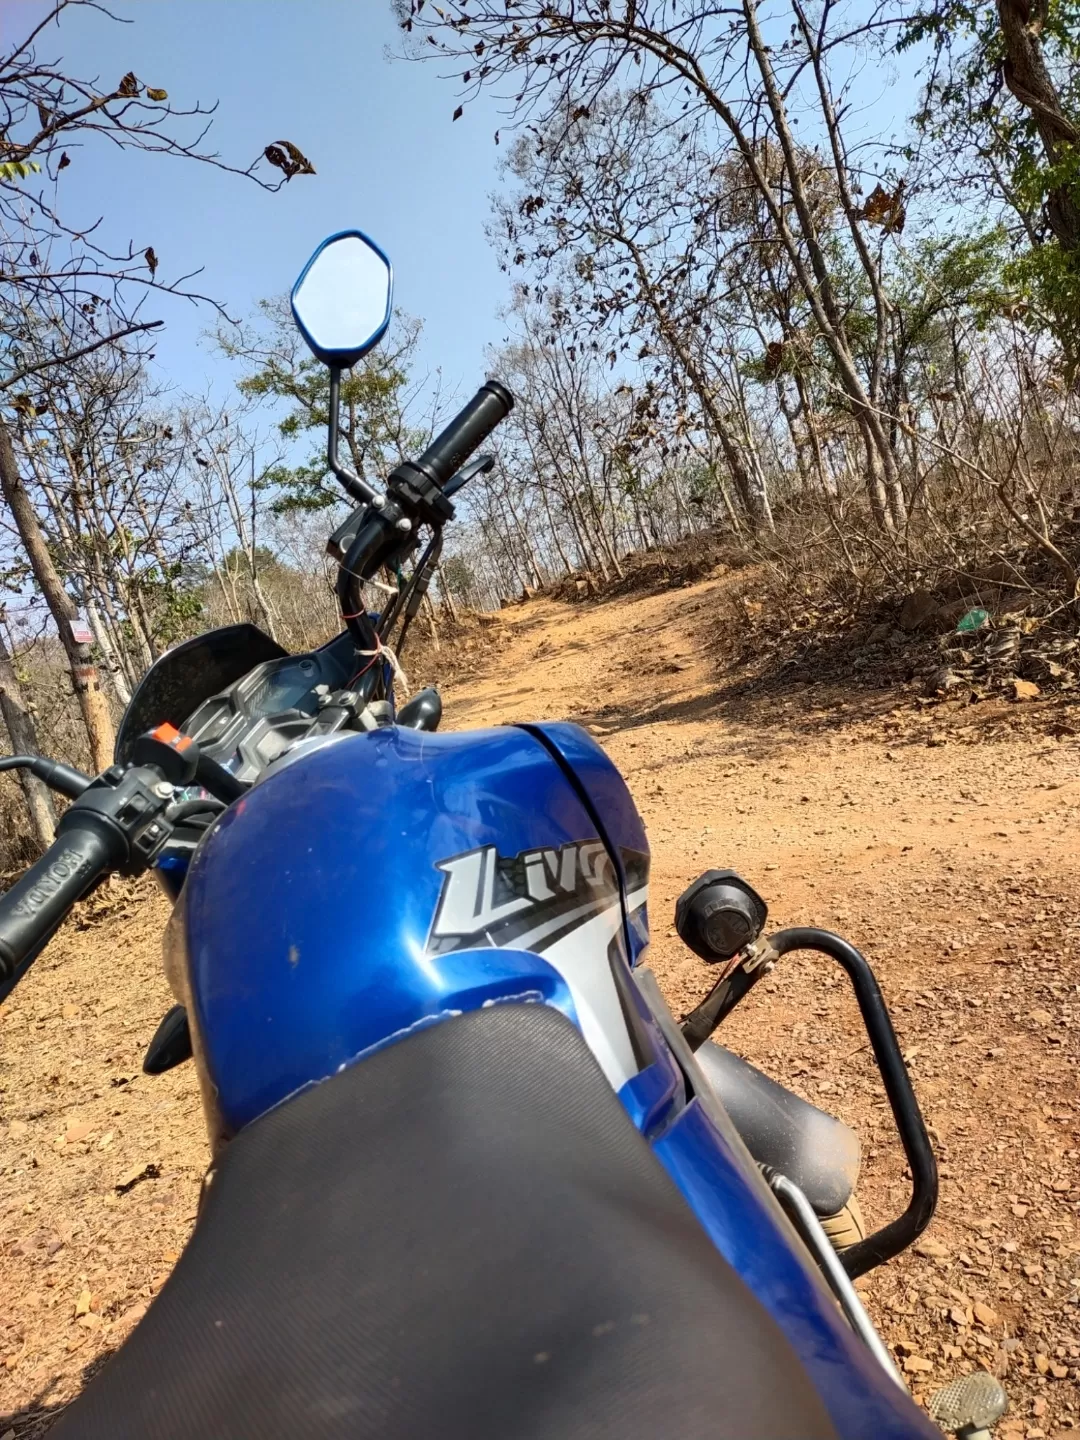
(341, 302)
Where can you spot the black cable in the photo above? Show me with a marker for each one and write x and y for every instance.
(185, 809)
(64, 778)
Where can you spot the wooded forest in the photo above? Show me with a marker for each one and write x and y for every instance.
(745, 295)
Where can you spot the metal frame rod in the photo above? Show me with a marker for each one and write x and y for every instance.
(801, 1214)
(357, 488)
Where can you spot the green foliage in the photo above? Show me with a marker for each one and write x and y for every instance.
(18, 169)
(459, 576)
(1002, 148)
(374, 396)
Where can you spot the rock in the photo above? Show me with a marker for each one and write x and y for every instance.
(1059, 1372)
(984, 1314)
(879, 634)
(82, 1304)
(916, 1365)
(74, 1133)
(1042, 1364)
(18, 1129)
(1022, 689)
(918, 610)
(1042, 1018)
(933, 1249)
(1038, 1406)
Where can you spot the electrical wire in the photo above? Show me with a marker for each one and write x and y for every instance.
(185, 810)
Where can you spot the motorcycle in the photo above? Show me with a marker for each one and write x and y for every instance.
(469, 1176)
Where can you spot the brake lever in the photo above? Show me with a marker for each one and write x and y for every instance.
(482, 465)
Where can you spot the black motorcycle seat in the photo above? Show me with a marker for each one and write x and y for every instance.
(461, 1236)
(813, 1149)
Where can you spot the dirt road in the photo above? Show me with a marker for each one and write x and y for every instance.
(947, 847)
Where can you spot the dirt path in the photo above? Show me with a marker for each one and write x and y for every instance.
(951, 859)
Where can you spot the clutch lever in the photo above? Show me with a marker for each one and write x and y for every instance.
(482, 465)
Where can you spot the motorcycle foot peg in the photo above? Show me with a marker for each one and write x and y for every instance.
(719, 915)
(969, 1406)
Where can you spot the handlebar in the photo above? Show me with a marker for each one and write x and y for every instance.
(120, 821)
(469, 428)
(84, 851)
(417, 493)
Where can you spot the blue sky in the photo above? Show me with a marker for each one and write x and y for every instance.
(379, 132)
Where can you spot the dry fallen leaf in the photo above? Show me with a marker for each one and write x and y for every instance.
(144, 1170)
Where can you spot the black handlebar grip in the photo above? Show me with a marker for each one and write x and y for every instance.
(36, 904)
(469, 428)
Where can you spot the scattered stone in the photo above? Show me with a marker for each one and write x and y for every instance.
(18, 1129)
(933, 1249)
(74, 1133)
(1023, 689)
(134, 1313)
(82, 1304)
(916, 1365)
(984, 1314)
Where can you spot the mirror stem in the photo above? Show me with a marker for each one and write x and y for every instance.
(357, 488)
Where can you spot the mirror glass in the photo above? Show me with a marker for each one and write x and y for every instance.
(342, 300)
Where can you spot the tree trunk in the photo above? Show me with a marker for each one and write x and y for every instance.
(447, 598)
(1030, 81)
(104, 643)
(429, 614)
(84, 677)
(20, 727)
(79, 579)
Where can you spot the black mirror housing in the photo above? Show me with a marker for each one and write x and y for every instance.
(719, 915)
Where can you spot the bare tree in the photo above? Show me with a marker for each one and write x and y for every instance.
(87, 293)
